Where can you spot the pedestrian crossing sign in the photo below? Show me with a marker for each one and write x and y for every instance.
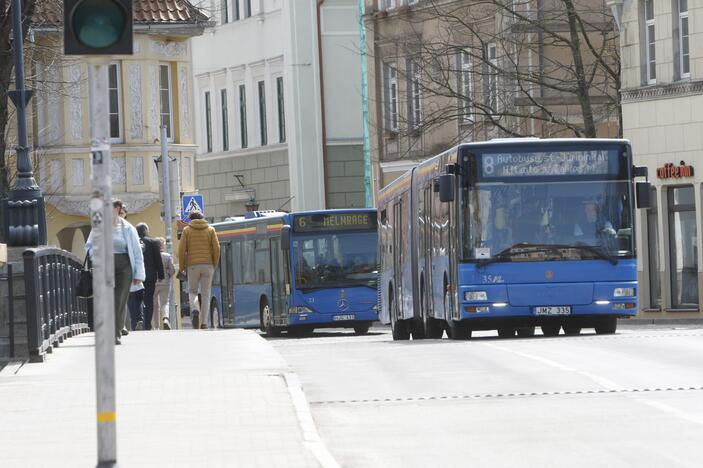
(192, 202)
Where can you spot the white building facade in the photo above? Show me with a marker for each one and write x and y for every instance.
(278, 106)
(662, 76)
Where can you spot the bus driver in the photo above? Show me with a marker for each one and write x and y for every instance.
(592, 226)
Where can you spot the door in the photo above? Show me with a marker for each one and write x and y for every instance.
(279, 301)
(226, 285)
(427, 244)
(398, 249)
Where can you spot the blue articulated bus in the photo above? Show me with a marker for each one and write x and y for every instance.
(509, 235)
(298, 271)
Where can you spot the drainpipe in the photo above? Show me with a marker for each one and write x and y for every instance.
(322, 101)
(368, 191)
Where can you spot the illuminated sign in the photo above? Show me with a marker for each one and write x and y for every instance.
(670, 171)
(549, 163)
(334, 222)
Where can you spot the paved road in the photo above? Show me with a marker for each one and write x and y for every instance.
(630, 399)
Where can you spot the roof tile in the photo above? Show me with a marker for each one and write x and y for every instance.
(145, 11)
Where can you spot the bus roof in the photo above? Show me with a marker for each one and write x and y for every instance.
(335, 211)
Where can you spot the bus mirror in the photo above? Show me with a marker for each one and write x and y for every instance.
(642, 195)
(285, 238)
(446, 187)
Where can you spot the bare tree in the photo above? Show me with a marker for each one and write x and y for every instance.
(490, 68)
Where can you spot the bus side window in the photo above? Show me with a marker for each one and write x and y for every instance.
(237, 262)
(263, 266)
(248, 262)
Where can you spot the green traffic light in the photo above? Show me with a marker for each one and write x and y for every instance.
(98, 23)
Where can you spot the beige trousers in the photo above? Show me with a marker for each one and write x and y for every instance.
(200, 281)
(161, 296)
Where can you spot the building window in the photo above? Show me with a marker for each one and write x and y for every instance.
(684, 64)
(492, 60)
(208, 121)
(114, 91)
(391, 101)
(649, 41)
(466, 87)
(77, 173)
(225, 120)
(224, 11)
(281, 110)
(247, 8)
(166, 99)
(414, 94)
(683, 247)
(262, 113)
(243, 116)
(655, 296)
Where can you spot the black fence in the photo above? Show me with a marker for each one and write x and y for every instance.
(54, 313)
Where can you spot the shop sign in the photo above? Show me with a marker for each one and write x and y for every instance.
(671, 171)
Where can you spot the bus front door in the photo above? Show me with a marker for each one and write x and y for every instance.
(226, 285)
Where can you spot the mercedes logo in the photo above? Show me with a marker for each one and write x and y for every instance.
(342, 304)
(549, 274)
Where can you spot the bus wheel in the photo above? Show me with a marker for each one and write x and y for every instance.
(267, 320)
(362, 329)
(526, 332)
(607, 326)
(433, 327)
(399, 330)
(506, 332)
(458, 330)
(550, 330)
(572, 330)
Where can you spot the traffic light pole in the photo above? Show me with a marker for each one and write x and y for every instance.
(168, 222)
(103, 264)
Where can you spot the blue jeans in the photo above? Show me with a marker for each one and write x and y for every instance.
(136, 307)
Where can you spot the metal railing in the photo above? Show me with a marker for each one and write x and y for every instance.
(54, 313)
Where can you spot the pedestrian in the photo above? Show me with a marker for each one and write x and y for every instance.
(154, 269)
(125, 325)
(199, 254)
(162, 293)
(128, 260)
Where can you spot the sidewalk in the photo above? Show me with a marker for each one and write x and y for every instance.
(215, 398)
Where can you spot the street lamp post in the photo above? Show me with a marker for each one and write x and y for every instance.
(24, 212)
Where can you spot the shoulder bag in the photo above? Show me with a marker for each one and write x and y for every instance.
(84, 287)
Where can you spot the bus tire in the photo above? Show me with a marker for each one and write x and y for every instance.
(551, 329)
(362, 329)
(571, 330)
(606, 326)
(433, 327)
(506, 332)
(266, 318)
(398, 329)
(458, 330)
(526, 332)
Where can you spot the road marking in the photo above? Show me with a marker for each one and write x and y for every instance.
(602, 381)
(107, 417)
(311, 437)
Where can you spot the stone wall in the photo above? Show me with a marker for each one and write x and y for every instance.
(345, 176)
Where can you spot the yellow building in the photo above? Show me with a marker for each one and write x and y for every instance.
(150, 88)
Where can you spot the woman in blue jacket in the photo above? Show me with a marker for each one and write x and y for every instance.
(129, 262)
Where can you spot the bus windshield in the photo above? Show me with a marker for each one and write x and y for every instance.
(335, 260)
(546, 220)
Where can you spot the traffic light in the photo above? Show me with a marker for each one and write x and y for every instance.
(97, 27)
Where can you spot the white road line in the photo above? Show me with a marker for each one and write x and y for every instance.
(602, 381)
(312, 439)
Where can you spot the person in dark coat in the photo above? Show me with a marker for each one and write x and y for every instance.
(154, 270)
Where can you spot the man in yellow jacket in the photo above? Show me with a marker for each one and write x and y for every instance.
(198, 255)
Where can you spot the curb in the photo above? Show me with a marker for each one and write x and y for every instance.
(661, 321)
(312, 439)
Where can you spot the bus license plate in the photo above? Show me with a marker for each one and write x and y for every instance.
(338, 318)
(554, 310)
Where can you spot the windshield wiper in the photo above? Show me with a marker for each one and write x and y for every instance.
(597, 251)
(507, 253)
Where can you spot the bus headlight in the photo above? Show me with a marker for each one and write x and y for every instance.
(299, 310)
(624, 292)
(475, 296)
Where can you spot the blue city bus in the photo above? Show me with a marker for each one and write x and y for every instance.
(509, 235)
(298, 271)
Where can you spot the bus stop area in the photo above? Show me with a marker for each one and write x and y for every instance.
(184, 399)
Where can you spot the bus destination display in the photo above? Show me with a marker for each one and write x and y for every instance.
(552, 163)
(334, 222)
